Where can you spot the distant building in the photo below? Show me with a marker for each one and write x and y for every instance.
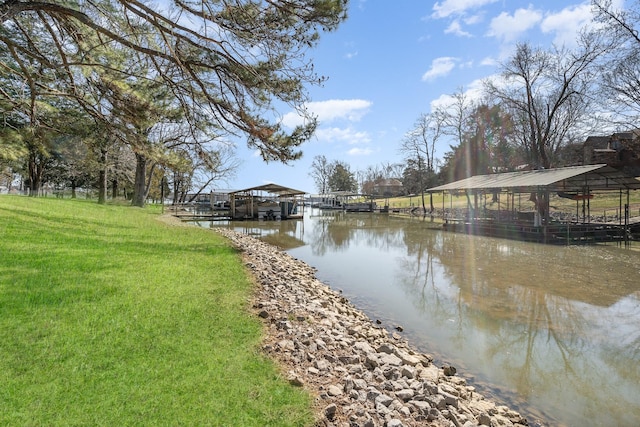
(620, 150)
(390, 187)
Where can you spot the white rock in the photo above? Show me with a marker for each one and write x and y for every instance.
(334, 390)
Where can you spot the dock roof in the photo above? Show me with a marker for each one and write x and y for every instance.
(276, 189)
(574, 178)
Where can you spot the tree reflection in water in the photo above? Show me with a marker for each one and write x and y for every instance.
(545, 315)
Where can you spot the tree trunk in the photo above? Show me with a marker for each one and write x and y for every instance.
(36, 170)
(114, 188)
(73, 189)
(139, 186)
(202, 187)
(424, 208)
(147, 186)
(176, 186)
(102, 178)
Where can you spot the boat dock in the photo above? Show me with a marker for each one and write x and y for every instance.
(534, 221)
(269, 202)
(553, 233)
(190, 212)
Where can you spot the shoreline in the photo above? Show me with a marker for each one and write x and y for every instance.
(359, 373)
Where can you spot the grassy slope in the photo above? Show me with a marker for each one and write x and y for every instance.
(109, 317)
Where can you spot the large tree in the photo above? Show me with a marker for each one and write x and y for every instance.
(230, 63)
(456, 116)
(414, 177)
(342, 178)
(141, 111)
(548, 94)
(488, 145)
(419, 146)
(321, 170)
(32, 109)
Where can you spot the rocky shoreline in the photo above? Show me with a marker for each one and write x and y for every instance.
(360, 373)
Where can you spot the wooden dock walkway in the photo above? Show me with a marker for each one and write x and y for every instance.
(196, 213)
(555, 233)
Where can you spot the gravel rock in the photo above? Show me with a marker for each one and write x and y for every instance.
(360, 373)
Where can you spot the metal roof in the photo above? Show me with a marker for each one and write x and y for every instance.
(574, 178)
(276, 189)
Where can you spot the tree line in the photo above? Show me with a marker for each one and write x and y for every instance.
(125, 96)
(132, 100)
(336, 175)
(543, 104)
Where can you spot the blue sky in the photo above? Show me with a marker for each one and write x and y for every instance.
(391, 61)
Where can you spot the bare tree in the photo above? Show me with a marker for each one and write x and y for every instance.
(213, 165)
(368, 178)
(419, 145)
(456, 117)
(548, 94)
(392, 170)
(321, 171)
(620, 72)
(374, 175)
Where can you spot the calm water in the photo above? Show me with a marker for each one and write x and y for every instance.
(551, 331)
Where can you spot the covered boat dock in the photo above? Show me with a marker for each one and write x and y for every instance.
(266, 202)
(537, 224)
(349, 201)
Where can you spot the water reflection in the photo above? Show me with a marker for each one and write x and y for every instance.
(553, 328)
(558, 325)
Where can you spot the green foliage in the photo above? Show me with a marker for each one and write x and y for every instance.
(11, 145)
(230, 64)
(110, 317)
(341, 178)
(175, 77)
(415, 177)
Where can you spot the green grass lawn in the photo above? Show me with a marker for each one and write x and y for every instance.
(111, 317)
(602, 202)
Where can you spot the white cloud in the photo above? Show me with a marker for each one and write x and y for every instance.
(351, 110)
(348, 135)
(508, 27)
(489, 61)
(456, 28)
(442, 102)
(439, 67)
(457, 7)
(472, 94)
(567, 23)
(352, 50)
(348, 109)
(474, 19)
(359, 151)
